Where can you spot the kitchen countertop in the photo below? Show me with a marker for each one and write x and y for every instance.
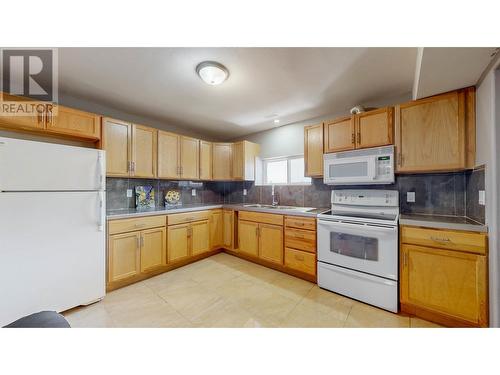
(443, 222)
(132, 212)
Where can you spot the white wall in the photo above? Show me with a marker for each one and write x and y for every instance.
(289, 139)
(487, 139)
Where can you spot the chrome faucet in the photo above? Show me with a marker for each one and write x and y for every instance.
(275, 196)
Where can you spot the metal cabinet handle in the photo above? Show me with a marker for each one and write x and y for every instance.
(405, 260)
(353, 138)
(140, 225)
(138, 241)
(359, 137)
(437, 239)
(142, 241)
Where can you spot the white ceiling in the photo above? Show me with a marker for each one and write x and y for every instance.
(293, 83)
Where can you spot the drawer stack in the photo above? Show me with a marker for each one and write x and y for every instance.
(300, 244)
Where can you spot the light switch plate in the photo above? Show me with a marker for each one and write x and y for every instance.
(482, 197)
(129, 193)
(193, 192)
(410, 196)
(244, 191)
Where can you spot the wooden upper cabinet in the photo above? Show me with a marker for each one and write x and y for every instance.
(205, 160)
(32, 121)
(74, 123)
(374, 128)
(168, 155)
(221, 161)
(313, 150)
(144, 149)
(340, 135)
(116, 142)
(243, 163)
(190, 158)
(436, 133)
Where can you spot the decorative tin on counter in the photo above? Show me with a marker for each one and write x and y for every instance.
(172, 198)
(144, 197)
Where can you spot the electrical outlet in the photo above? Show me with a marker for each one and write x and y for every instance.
(410, 196)
(129, 193)
(482, 197)
(193, 192)
(244, 191)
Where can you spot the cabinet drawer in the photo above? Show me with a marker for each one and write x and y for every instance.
(140, 223)
(261, 217)
(188, 217)
(300, 261)
(300, 222)
(445, 239)
(300, 239)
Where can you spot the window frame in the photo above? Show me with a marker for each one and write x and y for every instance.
(288, 169)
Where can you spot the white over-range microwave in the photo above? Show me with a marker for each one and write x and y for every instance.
(360, 167)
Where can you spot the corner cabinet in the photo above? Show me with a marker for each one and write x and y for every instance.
(243, 160)
(313, 150)
(222, 154)
(444, 276)
(436, 133)
(205, 160)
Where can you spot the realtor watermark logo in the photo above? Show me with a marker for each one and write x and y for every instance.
(28, 73)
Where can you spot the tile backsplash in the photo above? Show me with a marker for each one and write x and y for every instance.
(454, 193)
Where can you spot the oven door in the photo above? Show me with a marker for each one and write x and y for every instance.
(353, 170)
(367, 248)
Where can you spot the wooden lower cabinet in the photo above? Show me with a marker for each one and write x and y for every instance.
(200, 237)
(248, 237)
(153, 249)
(124, 256)
(216, 229)
(271, 243)
(178, 242)
(447, 286)
(228, 232)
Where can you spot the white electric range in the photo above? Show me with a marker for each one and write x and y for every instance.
(358, 246)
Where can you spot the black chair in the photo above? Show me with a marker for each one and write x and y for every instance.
(42, 319)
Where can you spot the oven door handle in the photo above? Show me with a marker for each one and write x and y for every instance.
(368, 227)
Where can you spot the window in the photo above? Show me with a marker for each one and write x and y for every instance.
(284, 171)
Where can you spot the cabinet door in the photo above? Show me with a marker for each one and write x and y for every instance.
(339, 135)
(216, 229)
(124, 250)
(313, 150)
(144, 150)
(205, 160)
(221, 162)
(178, 242)
(32, 121)
(75, 123)
(430, 134)
(271, 243)
(248, 237)
(200, 237)
(116, 142)
(190, 158)
(228, 230)
(168, 155)
(375, 128)
(238, 161)
(443, 281)
(153, 249)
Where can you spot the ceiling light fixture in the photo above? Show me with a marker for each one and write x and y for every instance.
(212, 72)
(277, 121)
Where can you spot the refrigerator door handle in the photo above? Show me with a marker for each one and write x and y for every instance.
(100, 169)
(100, 212)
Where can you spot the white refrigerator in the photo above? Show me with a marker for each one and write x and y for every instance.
(52, 227)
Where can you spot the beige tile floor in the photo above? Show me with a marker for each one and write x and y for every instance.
(225, 291)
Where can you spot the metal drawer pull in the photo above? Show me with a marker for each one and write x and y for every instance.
(140, 225)
(437, 239)
(299, 257)
(296, 235)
